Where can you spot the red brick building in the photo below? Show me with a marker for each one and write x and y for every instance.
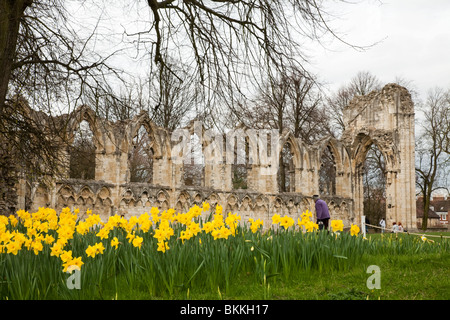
(438, 214)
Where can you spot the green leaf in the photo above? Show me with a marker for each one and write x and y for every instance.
(340, 257)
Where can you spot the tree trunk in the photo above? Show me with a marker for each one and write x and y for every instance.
(426, 207)
(11, 11)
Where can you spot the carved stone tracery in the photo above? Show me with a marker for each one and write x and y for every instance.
(384, 118)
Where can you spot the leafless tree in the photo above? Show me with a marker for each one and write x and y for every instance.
(432, 157)
(232, 44)
(336, 104)
(327, 174)
(291, 101)
(178, 97)
(141, 157)
(82, 153)
(361, 84)
(374, 185)
(46, 67)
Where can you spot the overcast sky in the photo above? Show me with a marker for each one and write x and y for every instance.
(410, 38)
(415, 43)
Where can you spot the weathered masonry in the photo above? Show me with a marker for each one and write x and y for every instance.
(384, 118)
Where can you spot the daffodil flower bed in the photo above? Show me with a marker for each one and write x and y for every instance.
(166, 252)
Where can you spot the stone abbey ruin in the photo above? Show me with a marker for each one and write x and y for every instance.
(384, 118)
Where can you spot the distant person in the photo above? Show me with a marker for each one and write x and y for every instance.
(394, 227)
(382, 225)
(322, 212)
(400, 227)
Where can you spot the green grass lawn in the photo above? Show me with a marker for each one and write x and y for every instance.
(275, 266)
(423, 276)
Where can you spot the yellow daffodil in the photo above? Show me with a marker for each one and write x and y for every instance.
(194, 228)
(130, 236)
(115, 243)
(23, 215)
(208, 227)
(82, 228)
(103, 233)
(276, 219)
(5, 237)
(185, 235)
(163, 246)
(205, 206)
(90, 251)
(56, 249)
(337, 225)
(99, 247)
(307, 215)
(221, 233)
(13, 247)
(65, 232)
(92, 220)
(286, 222)
(73, 262)
(133, 221)
(218, 221)
(146, 225)
(13, 220)
(66, 255)
(354, 230)
(37, 247)
(143, 218)
(49, 239)
(137, 242)
(311, 226)
(255, 224)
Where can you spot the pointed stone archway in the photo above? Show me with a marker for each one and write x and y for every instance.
(384, 118)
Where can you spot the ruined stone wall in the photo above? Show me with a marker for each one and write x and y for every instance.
(385, 118)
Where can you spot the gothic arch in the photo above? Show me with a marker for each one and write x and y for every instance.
(159, 137)
(384, 118)
(85, 113)
(288, 137)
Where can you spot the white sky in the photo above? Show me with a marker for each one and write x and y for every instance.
(415, 43)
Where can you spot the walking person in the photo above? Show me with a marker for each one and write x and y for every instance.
(382, 225)
(394, 227)
(366, 224)
(322, 212)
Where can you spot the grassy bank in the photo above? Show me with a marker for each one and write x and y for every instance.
(172, 255)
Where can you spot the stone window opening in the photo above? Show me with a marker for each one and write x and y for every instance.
(141, 157)
(241, 159)
(374, 185)
(194, 163)
(327, 173)
(286, 170)
(82, 153)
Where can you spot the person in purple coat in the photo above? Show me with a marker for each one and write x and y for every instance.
(322, 212)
